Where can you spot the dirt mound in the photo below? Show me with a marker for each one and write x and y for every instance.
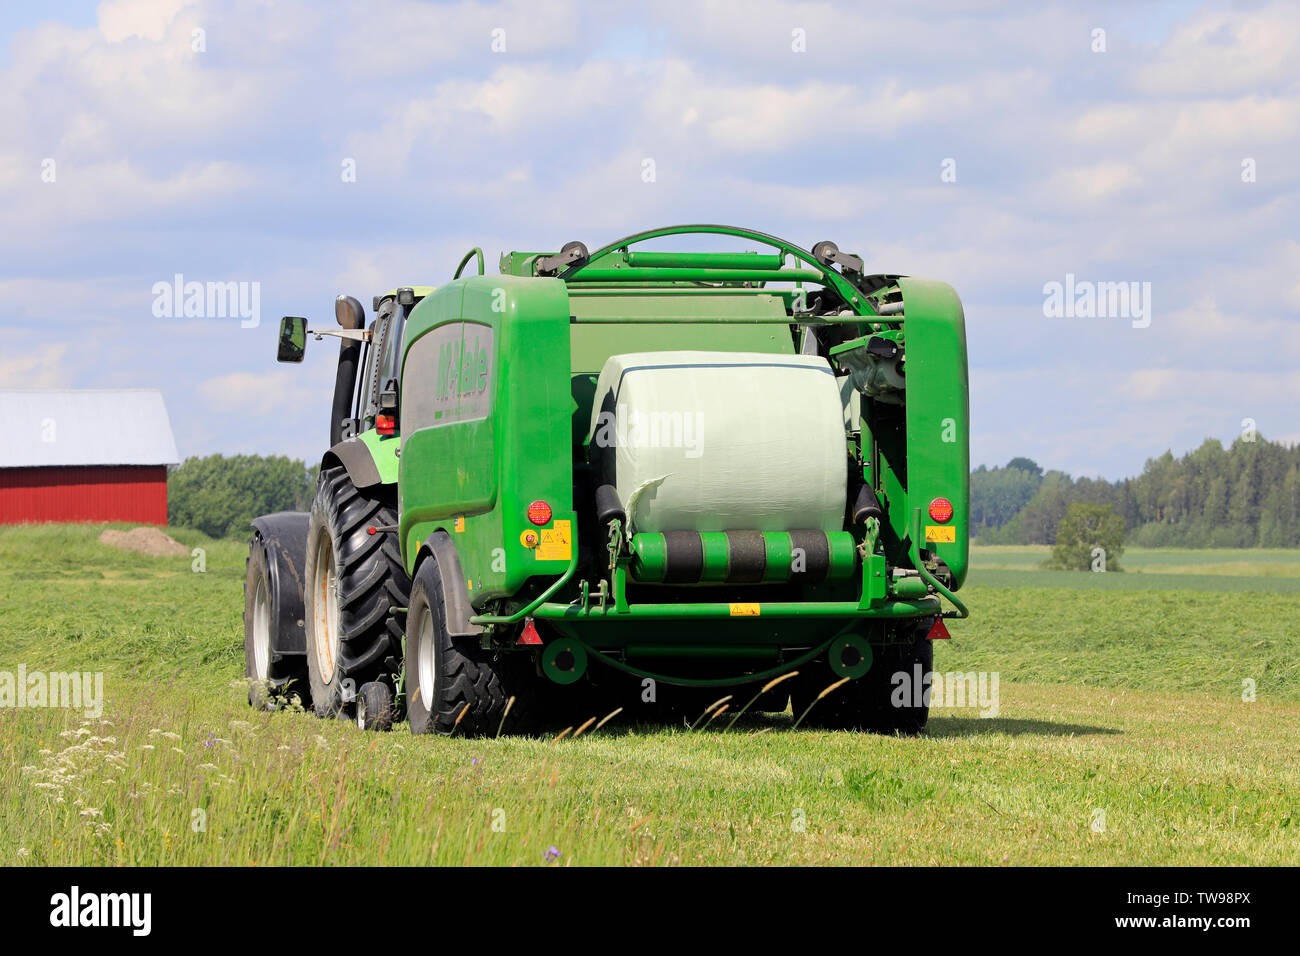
(148, 541)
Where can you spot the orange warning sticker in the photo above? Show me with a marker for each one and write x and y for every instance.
(557, 543)
(940, 534)
(744, 610)
(459, 524)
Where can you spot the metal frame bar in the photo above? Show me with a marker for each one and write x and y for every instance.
(771, 610)
(855, 297)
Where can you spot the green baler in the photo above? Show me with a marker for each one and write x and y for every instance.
(624, 472)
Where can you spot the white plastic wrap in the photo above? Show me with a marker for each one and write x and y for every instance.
(723, 441)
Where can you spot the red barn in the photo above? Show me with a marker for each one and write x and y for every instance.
(84, 455)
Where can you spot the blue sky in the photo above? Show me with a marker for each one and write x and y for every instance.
(225, 164)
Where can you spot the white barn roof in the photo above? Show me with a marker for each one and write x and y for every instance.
(84, 427)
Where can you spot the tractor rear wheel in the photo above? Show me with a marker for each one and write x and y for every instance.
(354, 582)
(452, 685)
(872, 702)
(271, 677)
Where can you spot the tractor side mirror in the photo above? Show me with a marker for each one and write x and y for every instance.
(293, 339)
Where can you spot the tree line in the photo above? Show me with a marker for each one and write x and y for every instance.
(221, 496)
(1243, 496)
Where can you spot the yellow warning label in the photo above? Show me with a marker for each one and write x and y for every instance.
(557, 543)
(937, 533)
(459, 524)
(744, 610)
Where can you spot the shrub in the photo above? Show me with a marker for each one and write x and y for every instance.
(1085, 528)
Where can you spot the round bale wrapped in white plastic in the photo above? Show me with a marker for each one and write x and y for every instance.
(721, 441)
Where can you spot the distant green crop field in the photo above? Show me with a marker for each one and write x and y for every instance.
(1254, 561)
(1121, 737)
(1218, 570)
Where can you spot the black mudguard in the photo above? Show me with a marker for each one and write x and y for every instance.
(356, 459)
(284, 535)
(455, 595)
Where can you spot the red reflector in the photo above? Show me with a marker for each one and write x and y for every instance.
(941, 510)
(385, 424)
(372, 530)
(529, 634)
(539, 512)
(938, 632)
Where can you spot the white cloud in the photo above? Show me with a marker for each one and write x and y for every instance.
(1197, 387)
(257, 393)
(148, 19)
(1220, 51)
(39, 367)
(1088, 185)
(449, 34)
(117, 191)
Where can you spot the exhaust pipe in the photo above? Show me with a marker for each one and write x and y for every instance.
(351, 315)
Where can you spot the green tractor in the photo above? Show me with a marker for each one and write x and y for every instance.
(626, 477)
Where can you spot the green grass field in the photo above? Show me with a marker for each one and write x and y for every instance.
(1146, 569)
(1122, 738)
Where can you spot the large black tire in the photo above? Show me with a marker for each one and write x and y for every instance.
(354, 580)
(868, 702)
(273, 679)
(454, 685)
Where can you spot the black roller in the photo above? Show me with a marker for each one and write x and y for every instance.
(748, 551)
(867, 505)
(685, 557)
(817, 554)
(608, 507)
